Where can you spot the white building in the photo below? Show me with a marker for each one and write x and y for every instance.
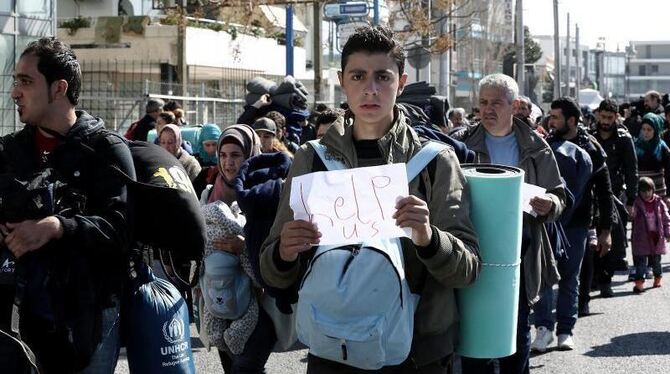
(649, 68)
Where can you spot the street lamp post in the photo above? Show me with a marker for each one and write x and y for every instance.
(630, 53)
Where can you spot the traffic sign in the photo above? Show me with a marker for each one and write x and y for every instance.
(351, 9)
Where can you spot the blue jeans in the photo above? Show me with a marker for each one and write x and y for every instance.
(568, 287)
(107, 353)
(642, 262)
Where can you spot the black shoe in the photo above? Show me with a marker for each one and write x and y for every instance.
(606, 291)
(583, 311)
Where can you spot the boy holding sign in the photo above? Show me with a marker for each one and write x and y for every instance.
(442, 252)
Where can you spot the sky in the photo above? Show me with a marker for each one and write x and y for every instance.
(617, 20)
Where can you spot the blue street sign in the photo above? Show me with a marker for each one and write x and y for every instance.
(351, 9)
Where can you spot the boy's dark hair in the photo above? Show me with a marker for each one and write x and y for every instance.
(377, 39)
(608, 105)
(568, 107)
(645, 184)
(168, 117)
(56, 61)
(667, 109)
(279, 118)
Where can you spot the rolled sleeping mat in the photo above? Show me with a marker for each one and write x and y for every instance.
(489, 307)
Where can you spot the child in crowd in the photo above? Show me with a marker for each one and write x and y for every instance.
(651, 224)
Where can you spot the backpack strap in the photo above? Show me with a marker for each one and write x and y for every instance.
(330, 163)
(422, 158)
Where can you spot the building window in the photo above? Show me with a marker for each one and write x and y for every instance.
(642, 70)
(654, 69)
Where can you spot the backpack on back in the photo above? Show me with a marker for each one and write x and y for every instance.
(164, 208)
(355, 306)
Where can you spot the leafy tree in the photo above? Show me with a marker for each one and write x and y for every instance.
(532, 48)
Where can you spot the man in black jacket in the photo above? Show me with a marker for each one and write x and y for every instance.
(140, 130)
(70, 318)
(622, 164)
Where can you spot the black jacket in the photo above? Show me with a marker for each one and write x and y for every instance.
(621, 162)
(100, 234)
(144, 125)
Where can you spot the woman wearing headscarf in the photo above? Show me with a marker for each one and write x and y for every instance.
(170, 139)
(245, 343)
(653, 155)
(205, 150)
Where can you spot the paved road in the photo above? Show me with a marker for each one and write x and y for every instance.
(626, 334)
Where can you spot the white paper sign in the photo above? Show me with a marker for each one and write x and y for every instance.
(528, 192)
(351, 206)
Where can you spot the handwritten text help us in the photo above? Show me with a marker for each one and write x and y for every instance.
(351, 206)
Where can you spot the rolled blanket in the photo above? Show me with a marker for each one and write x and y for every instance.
(290, 101)
(440, 106)
(419, 88)
(302, 89)
(260, 85)
(290, 85)
(251, 98)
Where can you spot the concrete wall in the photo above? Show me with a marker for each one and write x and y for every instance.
(157, 43)
(245, 52)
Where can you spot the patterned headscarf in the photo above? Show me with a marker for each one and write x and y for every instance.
(246, 138)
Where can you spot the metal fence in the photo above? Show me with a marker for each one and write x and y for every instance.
(117, 91)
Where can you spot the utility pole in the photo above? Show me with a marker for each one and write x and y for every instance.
(427, 42)
(578, 77)
(520, 49)
(568, 57)
(557, 55)
(316, 55)
(182, 68)
(375, 12)
(444, 58)
(289, 39)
